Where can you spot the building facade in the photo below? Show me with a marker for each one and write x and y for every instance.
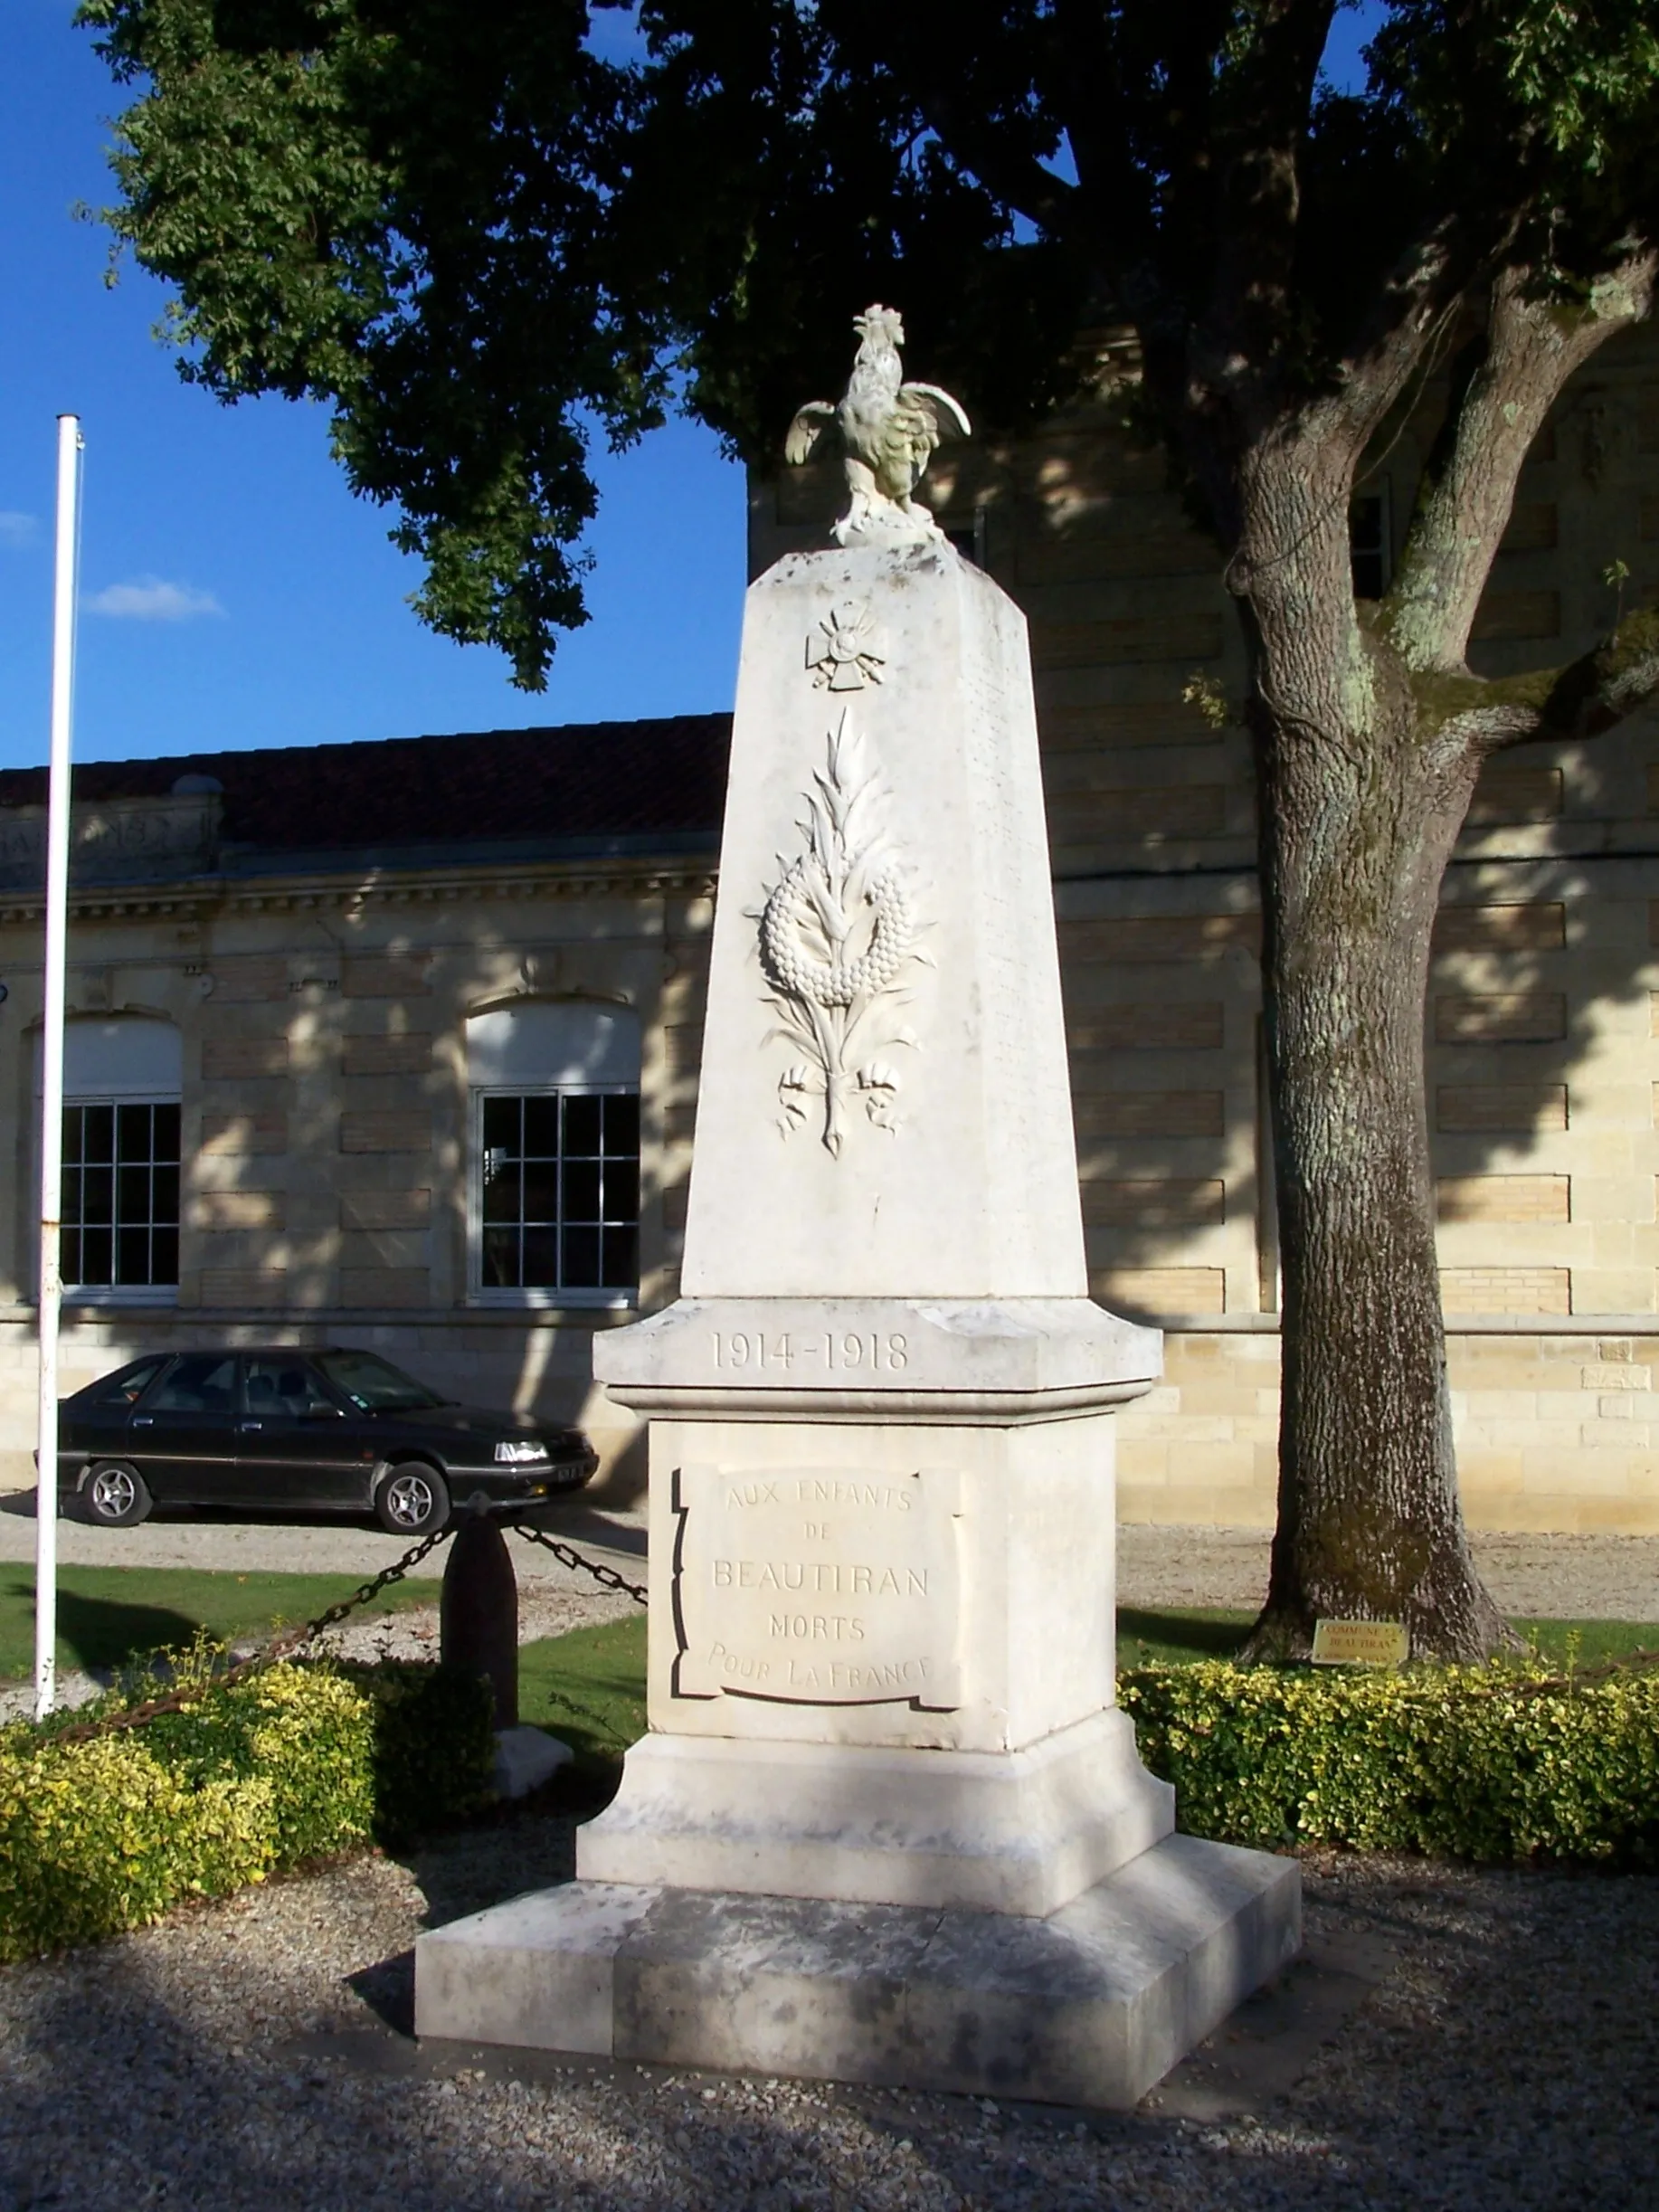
(398, 1021)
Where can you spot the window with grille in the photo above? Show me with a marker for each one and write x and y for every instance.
(120, 1194)
(559, 1196)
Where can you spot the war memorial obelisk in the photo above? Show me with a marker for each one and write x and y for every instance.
(888, 1824)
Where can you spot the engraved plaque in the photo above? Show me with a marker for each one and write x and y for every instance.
(818, 1586)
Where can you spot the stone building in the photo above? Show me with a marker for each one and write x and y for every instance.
(381, 998)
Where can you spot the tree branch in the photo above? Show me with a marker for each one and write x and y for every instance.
(1581, 699)
(1013, 177)
(1533, 346)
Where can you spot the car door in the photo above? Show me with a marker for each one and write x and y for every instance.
(294, 1446)
(93, 1424)
(181, 1436)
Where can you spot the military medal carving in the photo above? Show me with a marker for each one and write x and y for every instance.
(838, 941)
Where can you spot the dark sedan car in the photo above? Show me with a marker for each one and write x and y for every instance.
(265, 1430)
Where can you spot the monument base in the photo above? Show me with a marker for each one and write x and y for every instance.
(992, 1832)
(1091, 2005)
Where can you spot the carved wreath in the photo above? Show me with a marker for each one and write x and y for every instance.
(837, 936)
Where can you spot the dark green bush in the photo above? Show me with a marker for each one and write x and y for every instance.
(102, 1833)
(1492, 1763)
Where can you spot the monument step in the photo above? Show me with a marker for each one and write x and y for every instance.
(1008, 1832)
(1091, 2005)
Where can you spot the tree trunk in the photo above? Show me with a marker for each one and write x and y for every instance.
(1358, 812)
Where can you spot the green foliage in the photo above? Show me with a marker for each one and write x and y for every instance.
(105, 1833)
(1492, 1763)
(481, 243)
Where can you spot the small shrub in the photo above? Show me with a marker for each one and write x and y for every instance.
(1492, 1763)
(104, 1833)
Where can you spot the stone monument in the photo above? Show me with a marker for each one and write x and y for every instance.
(888, 1824)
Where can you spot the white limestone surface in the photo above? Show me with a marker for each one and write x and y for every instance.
(940, 1587)
(1022, 1832)
(885, 1106)
(1090, 2006)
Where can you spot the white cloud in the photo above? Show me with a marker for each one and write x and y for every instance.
(151, 599)
(16, 529)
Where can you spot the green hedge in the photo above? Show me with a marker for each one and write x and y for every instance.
(1490, 1763)
(107, 1832)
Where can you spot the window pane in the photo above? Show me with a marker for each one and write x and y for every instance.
(71, 1195)
(167, 1132)
(70, 1260)
(622, 1190)
(502, 1186)
(285, 1386)
(202, 1383)
(98, 1133)
(73, 1118)
(501, 1124)
(582, 1190)
(164, 1195)
(581, 1258)
(94, 1256)
(163, 1255)
(127, 1383)
(132, 1256)
(581, 1124)
(541, 1258)
(622, 1259)
(501, 1258)
(541, 1128)
(541, 1191)
(96, 1195)
(132, 1194)
(132, 1133)
(622, 1122)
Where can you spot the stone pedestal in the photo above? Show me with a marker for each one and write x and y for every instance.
(888, 1824)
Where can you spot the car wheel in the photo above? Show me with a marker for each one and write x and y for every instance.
(116, 1495)
(413, 1501)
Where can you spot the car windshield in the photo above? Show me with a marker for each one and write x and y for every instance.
(374, 1385)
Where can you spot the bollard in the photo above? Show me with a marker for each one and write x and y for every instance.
(478, 1613)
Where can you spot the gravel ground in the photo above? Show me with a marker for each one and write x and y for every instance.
(252, 2055)
(1567, 1578)
(238, 2057)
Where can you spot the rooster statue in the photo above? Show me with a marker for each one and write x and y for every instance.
(886, 431)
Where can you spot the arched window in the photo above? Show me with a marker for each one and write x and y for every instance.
(555, 1184)
(123, 1075)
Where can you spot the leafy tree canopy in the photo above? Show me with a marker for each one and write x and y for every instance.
(476, 238)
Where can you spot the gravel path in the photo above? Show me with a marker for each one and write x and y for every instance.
(236, 2057)
(1565, 1578)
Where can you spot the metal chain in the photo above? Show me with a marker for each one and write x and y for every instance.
(284, 1648)
(568, 1556)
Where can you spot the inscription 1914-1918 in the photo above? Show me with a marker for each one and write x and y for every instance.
(818, 1586)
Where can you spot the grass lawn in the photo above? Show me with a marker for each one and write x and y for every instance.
(589, 1686)
(1176, 1638)
(108, 1614)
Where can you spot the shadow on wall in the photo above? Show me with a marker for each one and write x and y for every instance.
(1538, 1023)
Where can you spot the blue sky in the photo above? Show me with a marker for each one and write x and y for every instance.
(234, 592)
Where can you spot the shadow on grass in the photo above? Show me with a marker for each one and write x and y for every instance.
(1176, 1638)
(103, 1633)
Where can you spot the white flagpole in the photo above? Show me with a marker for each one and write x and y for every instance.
(51, 1067)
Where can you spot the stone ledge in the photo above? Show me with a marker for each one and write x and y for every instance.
(1020, 1832)
(1090, 2007)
